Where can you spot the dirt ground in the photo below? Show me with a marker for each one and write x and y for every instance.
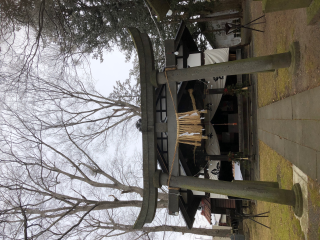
(281, 30)
(282, 221)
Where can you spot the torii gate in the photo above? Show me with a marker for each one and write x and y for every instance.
(153, 178)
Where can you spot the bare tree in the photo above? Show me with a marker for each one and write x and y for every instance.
(54, 183)
(52, 187)
(115, 228)
(64, 100)
(45, 180)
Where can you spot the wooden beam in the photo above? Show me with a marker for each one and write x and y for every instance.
(189, 210)
(169, 52)
(161, 127)
(173, 151)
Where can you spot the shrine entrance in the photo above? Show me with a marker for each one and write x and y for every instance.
(186, 128)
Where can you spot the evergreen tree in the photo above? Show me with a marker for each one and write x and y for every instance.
(87, 27)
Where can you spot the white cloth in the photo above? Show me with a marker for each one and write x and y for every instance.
(213, 171)
(216, 55)
(211, 57)
(212, 144)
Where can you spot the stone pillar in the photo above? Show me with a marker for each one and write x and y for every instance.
(242, 190)
(244, 66)
(313, 12)
(258, 183)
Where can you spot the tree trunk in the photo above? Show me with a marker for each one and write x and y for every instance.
(104, 205)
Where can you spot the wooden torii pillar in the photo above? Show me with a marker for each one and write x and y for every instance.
(153, 178)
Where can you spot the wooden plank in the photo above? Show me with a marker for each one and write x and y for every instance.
(158, 92)
(192, 210)
(161, 127)
(240, 108)
(169, 49)
(189, 212)
(184, 36)
(177, 39)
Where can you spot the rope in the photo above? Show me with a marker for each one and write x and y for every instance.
(189, 130)
(192, 99)
(165, 73)
(167, 170)
(175, 110)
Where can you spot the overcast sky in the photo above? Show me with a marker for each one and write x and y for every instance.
(113, 68)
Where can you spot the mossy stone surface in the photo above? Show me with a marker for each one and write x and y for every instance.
(281, 5)
(283, 223)
(313, 12)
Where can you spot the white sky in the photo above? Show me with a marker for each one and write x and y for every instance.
(113, 68)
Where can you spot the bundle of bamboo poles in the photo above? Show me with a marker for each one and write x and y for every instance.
(189, 127)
